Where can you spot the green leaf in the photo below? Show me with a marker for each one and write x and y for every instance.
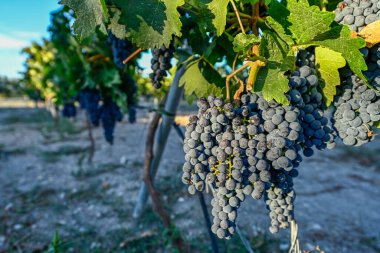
(279, 12)
(117, 29)
(340, 40)
(377, 124)
(271, 79)
(244, 42)
(151, 23)
(328, 62)
(219, 9)
(279, 30)
(89, 16)
(308, 21)
(247, 1)
(201, 80)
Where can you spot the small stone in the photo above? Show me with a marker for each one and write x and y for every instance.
(8, 207)
(17, 227)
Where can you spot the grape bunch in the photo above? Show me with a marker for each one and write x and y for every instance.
(161, 64)
(121, 49)
(304, 93)
(281, 206)
(253, 148)
(357, 107)
(89, 100)
(109, 113)
(69, 110)
(357, 13)
(241, 151)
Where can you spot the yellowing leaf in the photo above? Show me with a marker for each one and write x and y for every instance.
(371, 33)
(219, 9)
(328, 62)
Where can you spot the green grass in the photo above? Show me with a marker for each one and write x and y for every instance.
(96, 170)
(7, 152)
(54, 156)
(42, 121)
(29, 116)
(371, 242)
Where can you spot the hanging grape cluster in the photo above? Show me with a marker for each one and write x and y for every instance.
(161, 64)
(121, 49)
(357, 105)
(109, 113)
(357, 13)
(89, 100)
(105, 111)
(69, 110)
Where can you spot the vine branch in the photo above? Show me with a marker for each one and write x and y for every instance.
(177, 241)
(238, 16)
(132, 55)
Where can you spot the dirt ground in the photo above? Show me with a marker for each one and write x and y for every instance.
(47, 187)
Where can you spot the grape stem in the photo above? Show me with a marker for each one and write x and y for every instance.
(132, 55)
(256, 65)
(238, 16)
(188, 10)
(228, 95)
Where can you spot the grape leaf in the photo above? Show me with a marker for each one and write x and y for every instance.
(248, 1)
(279, 30)
(371, 33)
(89, 16)
(219, 9)
(271, 79)
(308, 21)
(195, 81)
(328, 62)
(340, 40)
(117, 29)
(244, 42)
(151, 23)
(279, 13)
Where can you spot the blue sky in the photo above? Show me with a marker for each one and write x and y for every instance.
(21, 21)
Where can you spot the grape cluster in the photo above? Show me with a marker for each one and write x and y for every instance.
(357, 13)
(89, 100)
(241, 151)
(121, 49)
(109, 113)
(281, 206)
(252, 147)
(160, 64)
(69, 110)
(315, 124)
(357, 105)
